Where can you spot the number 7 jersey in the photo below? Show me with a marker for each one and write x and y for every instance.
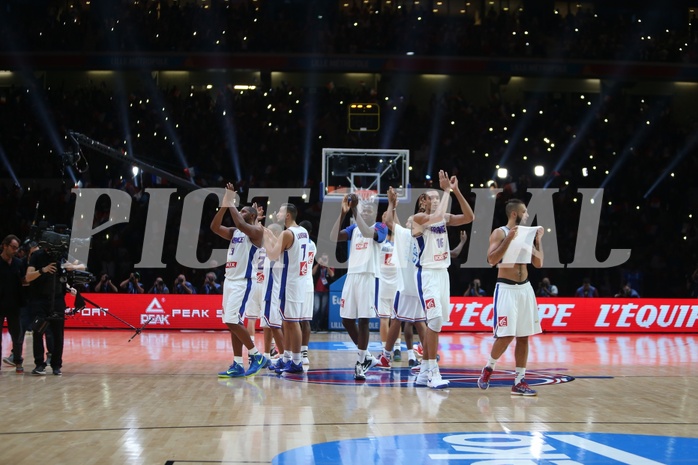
(297, 264)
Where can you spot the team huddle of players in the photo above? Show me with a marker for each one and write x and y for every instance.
(395, 272)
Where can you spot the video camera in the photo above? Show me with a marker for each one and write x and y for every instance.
(55, 242)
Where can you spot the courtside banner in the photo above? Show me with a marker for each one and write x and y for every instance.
(611, 315)
(163, 311)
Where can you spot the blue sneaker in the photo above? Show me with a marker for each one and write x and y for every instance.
(234, 371)
(282, 366)
(292, 368)
(257, 362)
(273, 365)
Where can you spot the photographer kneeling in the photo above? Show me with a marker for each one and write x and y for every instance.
(47, 306)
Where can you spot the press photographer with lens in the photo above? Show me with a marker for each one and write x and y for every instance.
(48, 284)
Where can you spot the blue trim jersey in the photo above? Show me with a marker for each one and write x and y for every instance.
(295, 261)
(405, 257)
(240, 263)
(312, 251)
(434, 252)
(364, 252)
(388, 270)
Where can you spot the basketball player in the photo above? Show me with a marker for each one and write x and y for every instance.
(245, 238)
(254, 309)
(406, 305)
(515, 308)
(429, 229)
(292, 249)
(387, 288)
(359, 292)
(271, 317)
(309, 303)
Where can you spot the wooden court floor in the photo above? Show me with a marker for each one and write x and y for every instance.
(157, 399)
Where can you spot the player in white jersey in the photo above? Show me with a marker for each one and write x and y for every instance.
(515, 308)
(245, 238)
(429, 230)
(387, 287)
(406, 306)
(310, 296)
(255, 307)
(271, 314)
(292, 248)
(359, 292)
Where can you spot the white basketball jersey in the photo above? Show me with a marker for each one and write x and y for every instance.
(241, 252)
(295, 261)
(260, 260)
(312, 250)
(363, 252)
(388, 278)
(433, 246)
(405, 257)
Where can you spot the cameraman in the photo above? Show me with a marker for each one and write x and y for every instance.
(474, 289)
(105, 285)
(159, 287)
(47, 307)
(210, 285)
(546, 289)
(132, 285)
(182, 286)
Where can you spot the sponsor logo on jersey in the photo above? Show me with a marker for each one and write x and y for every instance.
(502, 321)
(304, 268)
(440, 257)
(429, 304)
(231, 264)
(260, 277)
(361, 245)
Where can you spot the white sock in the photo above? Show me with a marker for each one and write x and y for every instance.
(296, 357)
(410, 355)
(520, 373)
(287, 355)
(397, 345)
(492, 362)
(362, 356)
(253, 351)
(238, 360)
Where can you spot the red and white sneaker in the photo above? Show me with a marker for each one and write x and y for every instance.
(522, 389)
(383, 363)
(483, 382)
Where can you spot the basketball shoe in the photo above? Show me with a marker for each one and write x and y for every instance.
(483, 382)
(234, 371)
(522, 389)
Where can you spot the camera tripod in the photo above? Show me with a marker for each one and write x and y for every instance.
(80, 301)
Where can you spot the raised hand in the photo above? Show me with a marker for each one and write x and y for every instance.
(453, 183)
(229, 196)
(444, 183)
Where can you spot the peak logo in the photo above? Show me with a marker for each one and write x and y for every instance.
(155, 314)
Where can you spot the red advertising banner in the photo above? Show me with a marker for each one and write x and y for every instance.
(611, 315)
(164, 311)
(569, 314)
